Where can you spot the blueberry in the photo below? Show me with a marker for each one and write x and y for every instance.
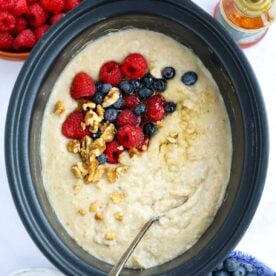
(231, 265)
(110, 114)
(170, 107)
(99, 86)
(126, 87)
(219, 267)
(136, 84)
(222, 273)
(102, 158)
(168, 73)
(120, 103)
(145, 93)
(106, 87)
(189, 78)
(140, 109)
(97, 135)
(149, 129)
(240, 272)
(98, 98)
(251, 274)
(148, 80)
(160, 85)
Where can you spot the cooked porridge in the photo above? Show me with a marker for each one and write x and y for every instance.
(183, 171)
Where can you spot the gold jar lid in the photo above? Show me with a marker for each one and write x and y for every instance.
(253, 8)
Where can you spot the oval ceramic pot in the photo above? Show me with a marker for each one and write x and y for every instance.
(188, 24)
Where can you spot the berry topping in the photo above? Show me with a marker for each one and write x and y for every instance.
(7, 21)
(71, 128)
(130, 136)
(231, 265)
(131, 101)
(126, 87)
(189, 78)
(160, 85)
(111, 73)
(24, 41)
(21, 7)
(134, 66)
(156, 111)
(111, 115)
(40, 31)
(37, 15)
(148, 80)
(82, 86)
(168, 73)
(103, 88)
(150, 129)
(126, 117)
(20, 25)
(140, 109)
(6, 5)
(70, 4)
(101, 158)
(136, 84)
(54, 6)
(120, 103)
(113, 151)
(98, 98)
(145, 93)
(6, 41)
(170, 107)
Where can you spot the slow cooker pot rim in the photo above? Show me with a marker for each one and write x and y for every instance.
(15, 129)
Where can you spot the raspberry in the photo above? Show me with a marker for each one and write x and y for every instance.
(6, 5)
(156, 111)
(54, 6)
(131, 101)
(71, 127)
(113, 152)
(21, 7)
(145, 143)
(70, 4)
(82, 86)
(24, 41)
(56, 17)
(127, 117)
(130, 136)
(110, 73)
(6, 41)
(20, 25)
(30, 2)
(7, 21)
(40, 31)
(37, 16)
(134, 66)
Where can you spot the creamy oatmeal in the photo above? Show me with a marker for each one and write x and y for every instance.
(184, 171)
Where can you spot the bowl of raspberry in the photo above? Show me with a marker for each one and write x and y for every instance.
(130, 109)
(24, 22)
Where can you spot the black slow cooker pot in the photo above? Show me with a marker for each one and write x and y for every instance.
(188, 24)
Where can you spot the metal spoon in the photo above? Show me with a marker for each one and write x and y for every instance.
(121, 263)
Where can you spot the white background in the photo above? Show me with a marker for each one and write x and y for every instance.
(16, 247)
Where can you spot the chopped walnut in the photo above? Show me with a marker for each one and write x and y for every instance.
(91, 171)
(171, 140)
(98, 216)
(100, 111)
(78, 170)
(77, 187)
(93, 207)
(59, 108)
(174, 134)
(133, 151)
(159, 124)
(117, 197)
(96, 175)
(144, 148)
(114, 173)
(88, 105)
(81, 212)
(93, 120)
(112, 97)
(73, 146)
(98, 146)
(109, 133)
(110, 236)
(118, 216)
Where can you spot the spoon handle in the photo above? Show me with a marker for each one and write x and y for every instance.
(121, 263)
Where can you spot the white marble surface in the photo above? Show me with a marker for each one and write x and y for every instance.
(16, 247)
